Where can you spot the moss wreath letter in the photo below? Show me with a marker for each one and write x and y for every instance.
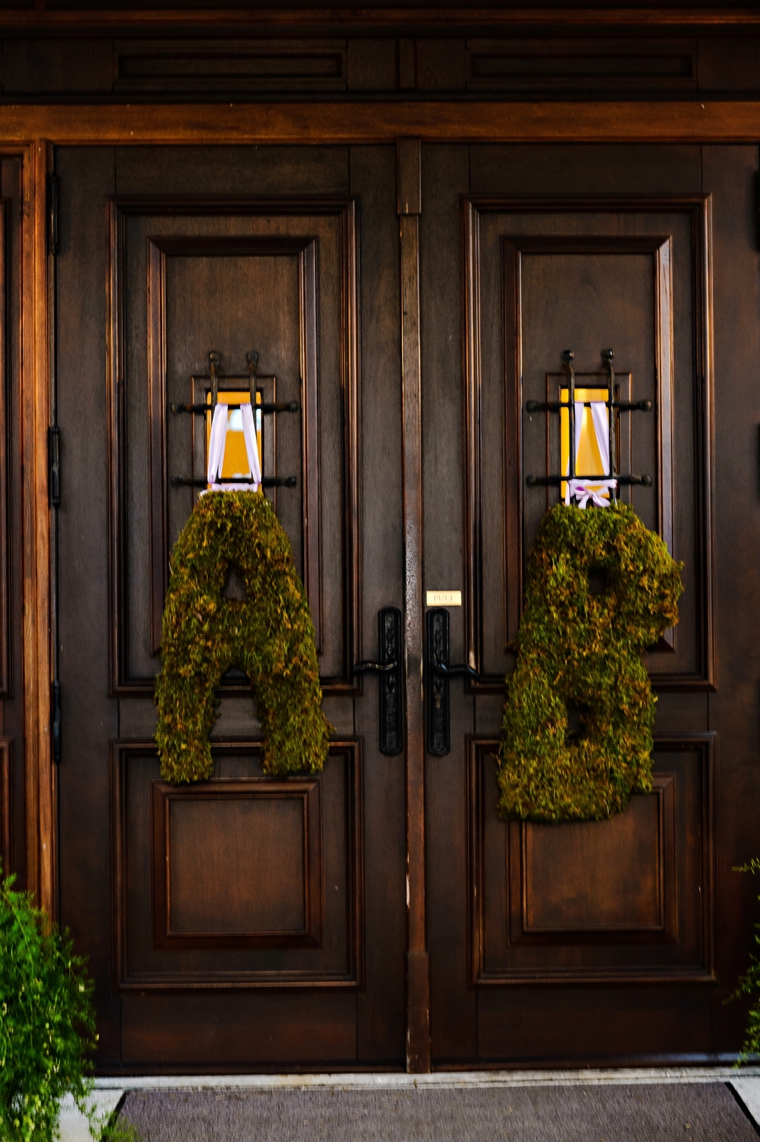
(581, 651)
(269, 635)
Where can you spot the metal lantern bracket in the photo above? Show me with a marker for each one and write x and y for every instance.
(267, 408)
(613, 406)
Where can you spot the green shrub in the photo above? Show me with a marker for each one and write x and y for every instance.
(47, 1024)
(749, 985)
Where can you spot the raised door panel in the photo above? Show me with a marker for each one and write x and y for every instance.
(629, 900)
(277, 279)
(587, 276)
(241, 881)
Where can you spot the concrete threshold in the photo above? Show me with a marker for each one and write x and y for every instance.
(440, 1079)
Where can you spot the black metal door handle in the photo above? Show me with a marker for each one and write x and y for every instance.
(437, 684)
(461, 668)
(366, 667)
(389, 669)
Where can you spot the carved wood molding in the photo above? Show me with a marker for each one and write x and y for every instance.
(343, 19)
(34, 400)
(466, 121)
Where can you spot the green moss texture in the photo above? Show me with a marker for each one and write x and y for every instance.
(577, 728)
(269, 636)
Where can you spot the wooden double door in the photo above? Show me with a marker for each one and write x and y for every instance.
(258, 923)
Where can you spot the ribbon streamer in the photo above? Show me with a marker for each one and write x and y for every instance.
(584, 490)
(217, 442)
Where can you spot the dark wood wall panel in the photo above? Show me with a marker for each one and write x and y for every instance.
(629, 900)
(203, 61)
(278, 278)
(194, 67)
(631, 275)
(546, 65)
(240, 881)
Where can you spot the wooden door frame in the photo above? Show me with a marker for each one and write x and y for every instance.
(32, 131)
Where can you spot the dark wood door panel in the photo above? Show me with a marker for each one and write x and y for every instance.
(630, 275)
(620, 901)
(595, 940)
(278, 278)
(240, 881)
(227, 1031)
(605, 1026)
(230, 928)
(731, 175)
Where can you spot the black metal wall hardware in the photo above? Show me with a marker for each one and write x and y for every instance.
(613, 406)
(202, 482)
(437, 683)
(267, 408)
(389, 669)
(54, 466)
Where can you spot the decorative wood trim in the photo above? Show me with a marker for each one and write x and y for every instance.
(175, 979)
(699, 208)
(476, 121)
(705, 744)
(343, 20)
(408, 176)
(5, 540)
(34, 399)
(304, 248)
(6, 805)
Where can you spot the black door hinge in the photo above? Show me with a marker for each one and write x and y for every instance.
(53, 214)
(56, 722)
(54, 466)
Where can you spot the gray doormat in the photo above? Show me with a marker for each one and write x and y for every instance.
(700, 1112)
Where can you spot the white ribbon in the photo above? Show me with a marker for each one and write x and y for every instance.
(579, 490)
(217, 441)
(585, 490)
